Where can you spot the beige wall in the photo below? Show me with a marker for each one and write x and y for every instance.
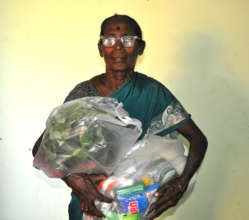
(198, 49)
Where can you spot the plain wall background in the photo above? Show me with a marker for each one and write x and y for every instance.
(197, 48)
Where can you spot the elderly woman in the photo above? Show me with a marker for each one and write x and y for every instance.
(144, 98)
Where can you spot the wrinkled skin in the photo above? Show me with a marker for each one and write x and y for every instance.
(120, 61)
(170, 193)
(85, 187)
(167, 196)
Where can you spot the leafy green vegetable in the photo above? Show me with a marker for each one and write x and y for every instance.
(74, 134)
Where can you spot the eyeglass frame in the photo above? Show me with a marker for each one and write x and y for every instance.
(119, 38)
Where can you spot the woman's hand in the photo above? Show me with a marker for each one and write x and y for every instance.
(169, 193)
(167, 196)
(84, 186)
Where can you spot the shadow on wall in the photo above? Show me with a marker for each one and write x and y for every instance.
(204, 73)
(218, 102)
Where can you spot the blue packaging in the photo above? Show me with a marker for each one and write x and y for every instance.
(133, 203)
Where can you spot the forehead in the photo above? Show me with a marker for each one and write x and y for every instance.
(119, 26)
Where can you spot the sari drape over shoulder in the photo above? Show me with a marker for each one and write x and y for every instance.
(152, 103)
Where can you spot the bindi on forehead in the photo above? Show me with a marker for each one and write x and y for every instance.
(119, 26)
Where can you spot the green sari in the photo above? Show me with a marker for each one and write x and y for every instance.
(153, 104)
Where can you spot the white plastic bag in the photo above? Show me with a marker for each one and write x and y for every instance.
(95, 135)
(152, 162)
(88, 135)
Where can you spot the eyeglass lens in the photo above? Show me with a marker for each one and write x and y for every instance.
(127, 41)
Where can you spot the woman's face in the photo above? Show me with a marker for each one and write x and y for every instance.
(119, 58)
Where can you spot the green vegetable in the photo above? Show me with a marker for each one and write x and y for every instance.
(74, 134)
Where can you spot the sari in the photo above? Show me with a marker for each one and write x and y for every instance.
(149, 101)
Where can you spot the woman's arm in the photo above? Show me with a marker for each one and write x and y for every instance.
(197, 150)
(84, 186)
(169, 193)
(37, 144)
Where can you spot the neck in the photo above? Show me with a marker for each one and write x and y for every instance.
(113, 80)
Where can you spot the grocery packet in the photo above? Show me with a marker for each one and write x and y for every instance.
(87, 135)
(96, 135)
(152, 162)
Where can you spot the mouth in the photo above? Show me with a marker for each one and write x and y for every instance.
(118, 55)
(118, 59)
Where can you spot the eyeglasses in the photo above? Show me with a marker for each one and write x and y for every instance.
(127, 41)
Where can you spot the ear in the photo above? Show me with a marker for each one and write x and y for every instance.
(141, 47)
(100, 48)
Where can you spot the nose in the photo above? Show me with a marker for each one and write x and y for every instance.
(119, 45)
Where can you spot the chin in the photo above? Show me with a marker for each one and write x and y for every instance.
(120, 67)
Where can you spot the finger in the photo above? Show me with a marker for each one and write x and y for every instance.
(169, 192)
(161, 190)
(101, 197)
(84, 206)
(98, 213)
(90, 209)
(96, 194)
(163, 197)
(97, 177)
(166, 198)
(157, 204)
(150, 215)
(157, 212)
(165, 207)
(95, 212)
(169, 195)
(175, 184)
(85, 201)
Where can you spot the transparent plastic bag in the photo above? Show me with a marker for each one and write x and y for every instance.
(95, 135)
(152, 162)
(87, 135)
